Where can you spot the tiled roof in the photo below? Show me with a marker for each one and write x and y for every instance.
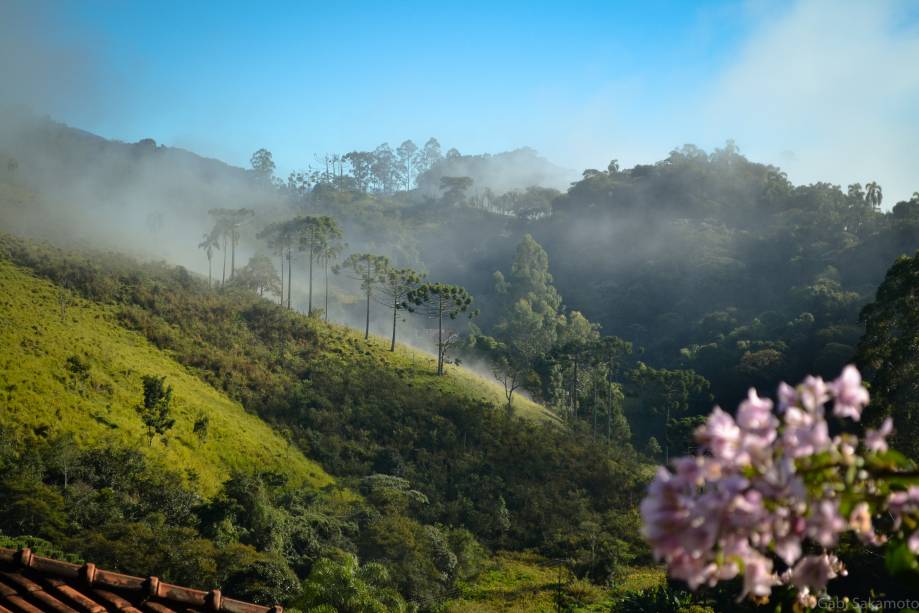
(33, 584)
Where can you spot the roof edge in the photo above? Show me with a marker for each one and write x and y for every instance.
(152, 586)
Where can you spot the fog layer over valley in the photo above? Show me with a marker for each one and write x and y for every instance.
(648, 252)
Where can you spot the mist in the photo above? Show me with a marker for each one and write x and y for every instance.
(151, 199)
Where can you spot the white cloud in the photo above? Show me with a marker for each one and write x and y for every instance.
(834, 83)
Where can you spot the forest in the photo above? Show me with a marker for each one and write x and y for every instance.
(343, 309)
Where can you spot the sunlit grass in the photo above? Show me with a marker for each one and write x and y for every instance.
(40, 396)
(419, 369)
(523, 582)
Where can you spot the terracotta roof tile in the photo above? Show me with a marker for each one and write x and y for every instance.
(33, 584)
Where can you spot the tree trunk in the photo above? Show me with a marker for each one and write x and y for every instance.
(593, 411)
(233, 241)
(282, 278)
(609, 413)
(290, 276)
(325, 272)
(223, 276)
(574, 390)
(309, 304)
(367, 321)
(210, 268)
(395, 313)
(440, 340)
(667, 438)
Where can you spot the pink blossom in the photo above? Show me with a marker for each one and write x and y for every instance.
(903, 503)
(758, 577)
(788, 548)
(750, 497)
(876, 440)
(807, 599)
(755, 419)
(697, 470)
(787, 532)
(755, 413)
(825, 523)
(665, 514)
(913, 542)
(788, 397)
(779, 481)
(721, 436)
(860, 522)
(851, 395)
(813, 394)
(805, 433)
(814, 572)
(694, 570)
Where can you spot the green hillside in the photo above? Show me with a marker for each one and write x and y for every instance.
(94, 394)
(446, 476)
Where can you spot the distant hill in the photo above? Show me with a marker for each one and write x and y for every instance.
(500, 173)
(144, 198)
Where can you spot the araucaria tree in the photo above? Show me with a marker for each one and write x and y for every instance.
(280, 238)
(436, 301)
(210, 242)
(315, 233)
(395, 288)
(229, 222)
(370, 271)
(329, 250)
(156, 408)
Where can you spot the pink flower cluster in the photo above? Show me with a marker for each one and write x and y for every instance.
(744, 506)
(905, 504)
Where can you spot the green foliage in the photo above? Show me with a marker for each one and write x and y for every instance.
(348, 587)
(396, 286)
(437, 301)
(661, 405)
(228, 223)
(889, 356)
(661, 599)
(258, 275)
(370, 271)
(262, 164)
(201, 426)
(156, 409)
(454, 189)
(320, 237)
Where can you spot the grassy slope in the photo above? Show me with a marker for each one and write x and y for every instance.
(421, 366)
(523, 582)
(38, 392)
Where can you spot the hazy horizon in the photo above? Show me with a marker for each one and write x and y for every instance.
(827, 94)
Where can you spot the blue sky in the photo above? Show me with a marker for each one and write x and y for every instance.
(582, 82)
